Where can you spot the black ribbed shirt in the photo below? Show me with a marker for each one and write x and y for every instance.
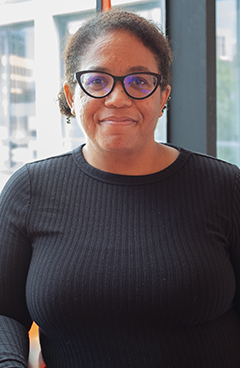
(121, 271)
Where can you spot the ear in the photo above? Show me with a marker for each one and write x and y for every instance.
(164, 97)
(68, 94)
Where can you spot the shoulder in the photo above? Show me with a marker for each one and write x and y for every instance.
(210, 167)
(207, 176)
(51, 170)
(53, 163)
(37, 174)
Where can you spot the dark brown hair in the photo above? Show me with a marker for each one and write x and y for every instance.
(146, 31)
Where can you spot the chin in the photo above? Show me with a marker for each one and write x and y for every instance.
(116, 144)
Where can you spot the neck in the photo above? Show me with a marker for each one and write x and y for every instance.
(143, 162)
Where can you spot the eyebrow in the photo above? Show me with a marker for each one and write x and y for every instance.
(134, 69)
(139, 68)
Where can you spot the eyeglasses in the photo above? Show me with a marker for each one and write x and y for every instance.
(137, 85)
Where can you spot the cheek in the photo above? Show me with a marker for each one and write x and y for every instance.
(150, 108)
(87, 112)
(83, 101)
(83, 106)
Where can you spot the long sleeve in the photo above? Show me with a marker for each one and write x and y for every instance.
(235, 246)
(13, 343)
(15, 255)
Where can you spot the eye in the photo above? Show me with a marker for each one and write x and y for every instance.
(139, 81)
(96, 82)
(93, 82)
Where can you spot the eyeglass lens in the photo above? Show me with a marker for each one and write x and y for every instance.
(100, 84)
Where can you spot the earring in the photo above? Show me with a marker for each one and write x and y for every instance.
(68, 120)
(166, 106)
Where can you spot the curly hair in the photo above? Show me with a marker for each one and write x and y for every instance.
(115, 19)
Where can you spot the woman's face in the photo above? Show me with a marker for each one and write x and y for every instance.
(118, 122)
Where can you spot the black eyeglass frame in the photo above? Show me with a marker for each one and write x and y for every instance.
(116, 79)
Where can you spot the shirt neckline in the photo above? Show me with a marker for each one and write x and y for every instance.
(118, 179)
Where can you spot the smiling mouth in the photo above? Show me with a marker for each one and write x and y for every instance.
(118, 121)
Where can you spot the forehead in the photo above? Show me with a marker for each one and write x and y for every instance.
(118, 52)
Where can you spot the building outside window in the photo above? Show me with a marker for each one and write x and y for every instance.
(17, 96)
(228, 80)
(12, 1)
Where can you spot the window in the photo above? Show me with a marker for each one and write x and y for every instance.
(228, 80)
(12, 1)
(17, 96)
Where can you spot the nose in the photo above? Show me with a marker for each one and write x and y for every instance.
(118, 97)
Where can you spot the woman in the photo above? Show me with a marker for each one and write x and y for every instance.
(125, 252)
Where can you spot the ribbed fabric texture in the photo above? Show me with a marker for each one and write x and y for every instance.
(122, 271)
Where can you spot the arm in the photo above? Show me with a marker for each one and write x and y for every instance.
(13, 343)
(15, 255)
(235, 245)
